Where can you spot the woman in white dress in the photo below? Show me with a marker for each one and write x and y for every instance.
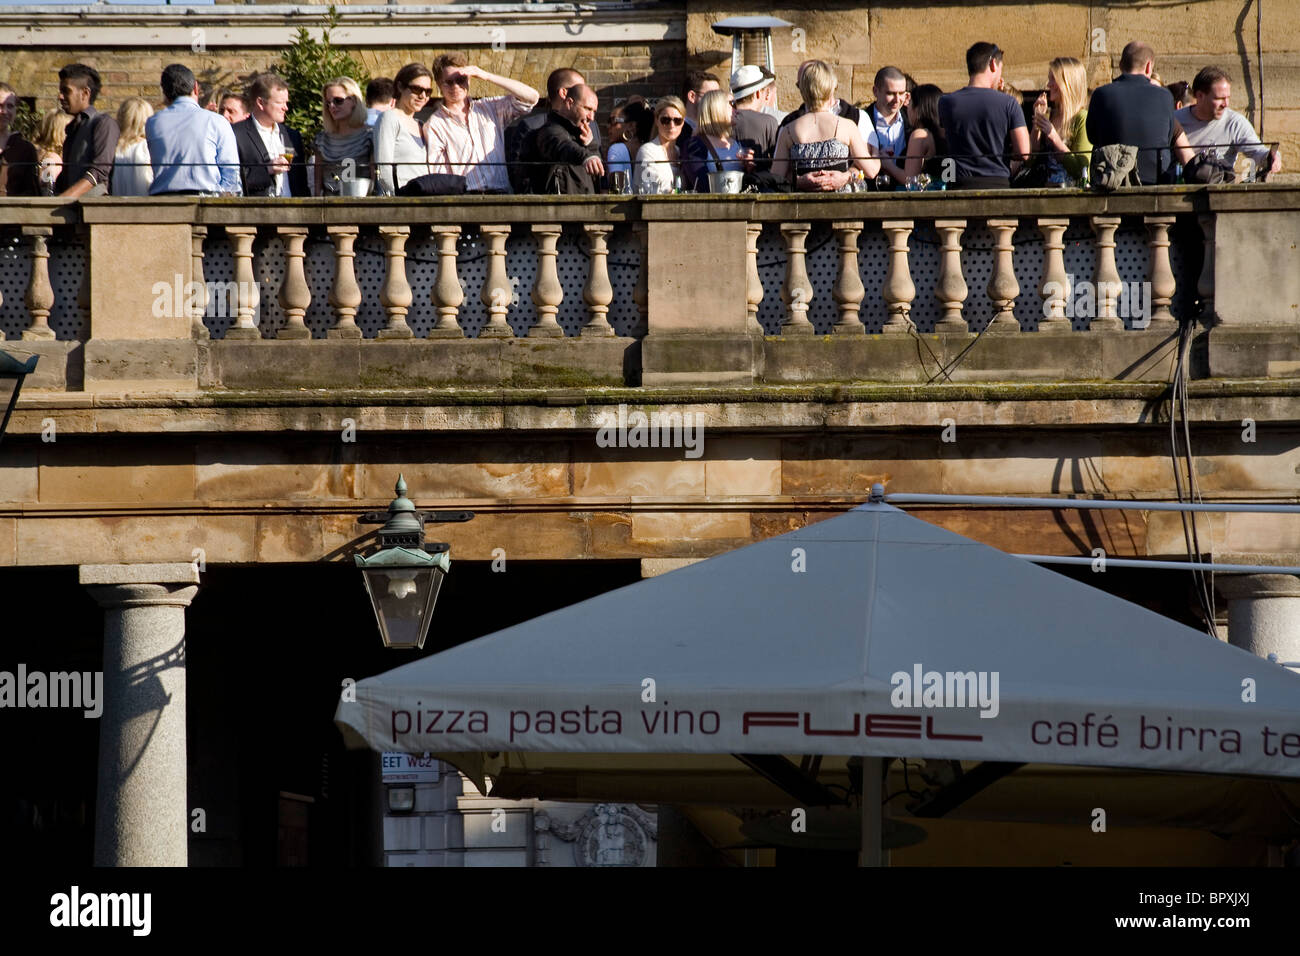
(132, 171)
(401, 153)
(658, 163)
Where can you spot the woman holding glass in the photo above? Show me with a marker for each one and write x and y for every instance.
(1060, 134)
(401, 153)
(658, 165)
(345, 145)
(713, 148)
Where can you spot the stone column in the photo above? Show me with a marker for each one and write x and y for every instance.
(951, 288)
(797, 293)
(1263, 613)
(1161, 273)
(899, 290)
(1105, 280)
(1003, 286)
(1055, 289)
(295, 294)
(141, 809)
(848, 291)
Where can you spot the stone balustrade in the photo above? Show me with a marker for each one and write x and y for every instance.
(180, 294)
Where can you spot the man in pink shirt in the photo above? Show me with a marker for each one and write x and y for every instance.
(466, 136)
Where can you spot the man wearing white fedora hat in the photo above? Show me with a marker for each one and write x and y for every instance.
(756, 129)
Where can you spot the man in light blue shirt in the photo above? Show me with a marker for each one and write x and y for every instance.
(192, 150)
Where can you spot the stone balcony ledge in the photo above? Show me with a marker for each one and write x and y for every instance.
(134, 296)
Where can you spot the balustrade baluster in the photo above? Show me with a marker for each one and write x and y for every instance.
(598, 293)
(40, 294)
(345, 293)
(547, 291)
(295, 295)
(848, 292)
(247, 297)
(951, 290)
(498, 294)
(1056, 283)
(797, 294)
(1106, 282)
(753, 284)
(1160, 273)
(198, 302)
(1003, 288)
(395, 294)
(447, 292)
(899, 290)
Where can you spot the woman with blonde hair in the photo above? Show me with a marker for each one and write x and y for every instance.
(713, 148)
(658, 163)
(345, 146)
(818, 151)
(1060, 118)
(48, 141)
(132, 171)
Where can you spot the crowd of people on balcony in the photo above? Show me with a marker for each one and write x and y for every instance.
(422, 132)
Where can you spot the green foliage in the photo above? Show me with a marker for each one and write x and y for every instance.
(307, 65)
(26, 120)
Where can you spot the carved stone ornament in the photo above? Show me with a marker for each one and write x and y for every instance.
(609, 834)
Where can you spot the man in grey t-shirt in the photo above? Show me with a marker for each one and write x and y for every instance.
(979, 119)
(1217, 133)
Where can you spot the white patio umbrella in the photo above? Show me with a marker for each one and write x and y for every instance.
(872, 634)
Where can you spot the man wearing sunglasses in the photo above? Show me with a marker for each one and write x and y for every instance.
(466, 136)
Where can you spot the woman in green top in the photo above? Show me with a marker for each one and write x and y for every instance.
(1060, 117)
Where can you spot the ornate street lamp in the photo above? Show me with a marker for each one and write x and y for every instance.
(11, 367)
(403, 579)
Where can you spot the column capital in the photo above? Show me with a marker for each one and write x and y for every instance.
(1237, 586)
(140, 585)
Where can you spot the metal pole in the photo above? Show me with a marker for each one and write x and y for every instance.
(873, 798)
(1165, 565)
(1085, 503)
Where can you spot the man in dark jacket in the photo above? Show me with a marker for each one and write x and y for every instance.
(521, 134)
(569, 166)
(264, 143)
(1134, 112)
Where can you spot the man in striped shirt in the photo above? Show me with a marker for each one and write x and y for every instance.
(466, 136)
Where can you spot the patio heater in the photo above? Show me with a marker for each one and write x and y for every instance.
(751, 40)
(12, 368)
(404, 577)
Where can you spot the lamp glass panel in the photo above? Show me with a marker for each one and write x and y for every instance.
(403, 599)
